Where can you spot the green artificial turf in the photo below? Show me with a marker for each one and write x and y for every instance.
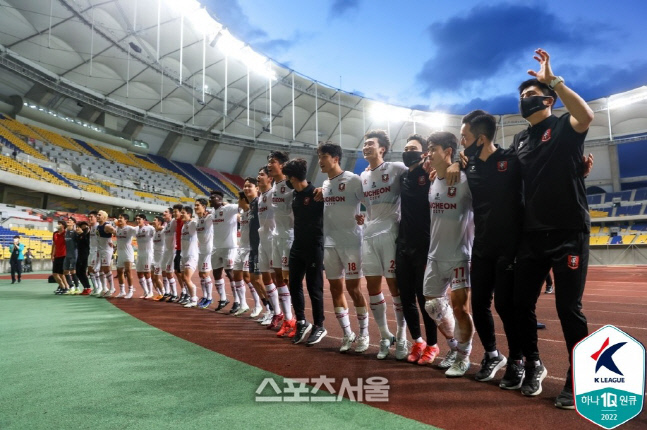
(69, 362)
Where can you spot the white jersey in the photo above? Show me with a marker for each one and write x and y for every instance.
(265, 215)
(382, 198)
(205, 234)
(342, 196)
(244, 230)
(189, 241)
(145, 241)
(104, 241)
(168, 233)
(94, 238)
(125, 242)
(452, 221)
(282, 204)
(225, 226)
(158, 245)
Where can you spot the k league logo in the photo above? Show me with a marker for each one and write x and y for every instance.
(609, 377)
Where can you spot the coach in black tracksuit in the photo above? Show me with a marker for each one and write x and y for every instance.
(306, 254)
(83, 248)
(412, 244)
(556, 224)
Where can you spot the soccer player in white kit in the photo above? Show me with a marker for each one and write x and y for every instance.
(125, 255)
(105, 230)
(189, 255)
(241, 260)
(342, 194)
(282, 238)
(94, 261)
(205, 247)
(381, 186)
(448, 262)
(144, 237)
(265, 232)
(225, 232)
(160, 282)
(168, 257)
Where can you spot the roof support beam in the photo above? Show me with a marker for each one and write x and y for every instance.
(169, 145)
(89, 113)
(243, 160)
(209, 150)
(132, 129)
(313, 168)
(40, 94)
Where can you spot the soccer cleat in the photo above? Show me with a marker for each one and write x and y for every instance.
(185, 300)
(429, 355)
(416, 351)
(262, 317)
(489, 367)
(287, 327)
(172, 299)
(221, 305)
(565, 400)
(205, 304)
(459, 367)
(513, 376)
(256, 312)
(276, 320)
(268, 318)
(401, 349)
(121, 294)
(318, 333)
(86, 292)
(448, 360)
(241, 311)
(234, 308)
(535, 374)
(68, 292)
(540, 325)
(150, 296)
(202, 300)
(301, 331)
(130, 294)
(191, 303)
(385, 344)
(549, 289)
(347, 342)
(362, 344)
(59, 291)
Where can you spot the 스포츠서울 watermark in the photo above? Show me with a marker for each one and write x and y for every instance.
(322, 389)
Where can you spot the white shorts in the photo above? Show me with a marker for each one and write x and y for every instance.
(121, 261)
(378, 255)
(241, 260)
(440, 275)
(223, 258)
(157, 268)
(190, 262)
(343, 263)
(204, 263)
(105, 258)
(167, 260)
(144, 263)
(281, 253)
(265, 255)
(94, 261)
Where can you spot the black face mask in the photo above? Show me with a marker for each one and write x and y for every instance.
(473, 150)
(532, 104)
(289, 184)
(411, 157)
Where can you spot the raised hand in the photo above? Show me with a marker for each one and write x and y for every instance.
(545, 74)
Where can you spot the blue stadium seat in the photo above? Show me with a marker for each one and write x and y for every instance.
(594, 199)
(641, 195)
(616, 240)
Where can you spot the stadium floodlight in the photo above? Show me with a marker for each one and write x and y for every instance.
(383, 112)
(256, 62)
(436, 120)
(202, 22)
(624, 100)
(228, 44)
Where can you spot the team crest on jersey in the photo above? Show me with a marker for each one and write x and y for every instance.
(282, 190)
(437, 196)
(385, 177)
(373, 186)
(546, 136)
(342, 186)
(306, 201)
(573, 261)
(421, 180)
(502, 166)
(451, 191)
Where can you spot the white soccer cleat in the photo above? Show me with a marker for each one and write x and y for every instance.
(130, 294)
(362, 344)
(256, 312)
(191, 304)
(150, 296)
(121, 294)
(241, 311)
(267, 319)
(347, 342)
(401, 349)
(460, 366)
(385, 344)
(449, 360)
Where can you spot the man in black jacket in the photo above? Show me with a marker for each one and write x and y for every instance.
(83, 249)
(306, 254)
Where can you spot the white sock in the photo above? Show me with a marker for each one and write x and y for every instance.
(103, 282)
(92, 281)
(343, 320)
(452, 343)
(167, 288)
(464, 348)
(122, 289)
(286, 301)
(220, 286)
(273, 297)
(208, 286)
(97, 281)
(362, 319)
(401, 324)
(173, 286)
(255, 296)
(241, 290)
(144, 285)
(232, 285)
(149, 282)
(185, 289)
(204, 290)
(378, 308)
(111, 281)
